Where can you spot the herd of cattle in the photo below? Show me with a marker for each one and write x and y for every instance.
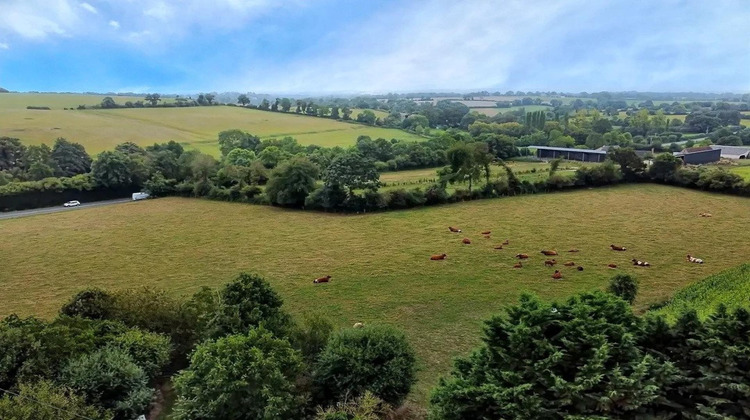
(557, 275)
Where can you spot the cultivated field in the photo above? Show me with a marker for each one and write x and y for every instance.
(730, 287)
(10, 101)
(195, 127)
(379, 262)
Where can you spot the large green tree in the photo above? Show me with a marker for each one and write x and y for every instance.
(113, 169)
(577, 359)
(292, 181)
(243, 376)
(110, 379)
(352, 171)
(11, 153)
(70, 158)
(233, 139)
(374, 358)
(248, 302)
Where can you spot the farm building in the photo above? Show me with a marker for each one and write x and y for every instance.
(699, 155)
(584, 155)
(733, 152)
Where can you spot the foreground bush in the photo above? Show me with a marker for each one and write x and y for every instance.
(110, 379)
(250, 376)
(556, 361)
(43, 400)
(376, 359)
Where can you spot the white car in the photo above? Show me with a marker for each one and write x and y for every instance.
(73, 203)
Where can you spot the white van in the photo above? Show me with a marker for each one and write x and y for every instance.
(140, 196)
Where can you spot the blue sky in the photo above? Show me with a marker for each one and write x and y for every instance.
(375, 46)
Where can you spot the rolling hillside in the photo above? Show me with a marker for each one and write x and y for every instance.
(195, 127)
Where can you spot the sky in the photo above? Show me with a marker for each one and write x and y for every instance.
(374, 46)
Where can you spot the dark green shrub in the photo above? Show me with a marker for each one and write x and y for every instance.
(148, 350)
(43, 400)
(91, 303)
(375, 358)
(624, 286)
(243, 376)
(110, 379)
(248, 302)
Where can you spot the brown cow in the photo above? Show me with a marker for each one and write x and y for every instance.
(466, 241)
(522, 256)
(569, 264)
(573, 250)
(325, 279)
(557, 275)
(550, 263)
(486, 232)
(518, 265)
(438, 257)
(454, 229)
(506, 242)
(618, 248)
(612, 265)
(549, 252)
(486, 236)
(499, 247)
(580, 268)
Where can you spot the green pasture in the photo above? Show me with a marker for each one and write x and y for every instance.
(195, 127)
(730, 287)
(380, 262)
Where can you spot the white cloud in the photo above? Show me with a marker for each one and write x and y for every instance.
(89, 8)
(418, 45)
(445, 45)
(115, 24)
(160, 11)
(37, 19)
(4, 46)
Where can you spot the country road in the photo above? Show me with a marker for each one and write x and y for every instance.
(45, 210)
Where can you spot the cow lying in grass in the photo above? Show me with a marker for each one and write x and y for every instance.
(454, 229)
(557, 275)
(522, 256)
(325, 279)
(550, 263)
(466, 241)
(694, 260)
(549, 252)
(640, 263)
(618, 248)
(438, 257)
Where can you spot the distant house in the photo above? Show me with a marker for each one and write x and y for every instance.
(584, 155)
(699, 155)
(733, 152)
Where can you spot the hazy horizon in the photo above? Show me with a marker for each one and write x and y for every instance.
(332, 47)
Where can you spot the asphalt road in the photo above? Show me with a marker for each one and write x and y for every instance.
(45, 210)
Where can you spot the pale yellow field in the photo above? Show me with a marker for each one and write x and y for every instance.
(195, 127)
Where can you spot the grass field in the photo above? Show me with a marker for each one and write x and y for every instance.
(195, 127)
(743, 171)
(426, 176)
(379, 262)
(13, 101)
(730, 287)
